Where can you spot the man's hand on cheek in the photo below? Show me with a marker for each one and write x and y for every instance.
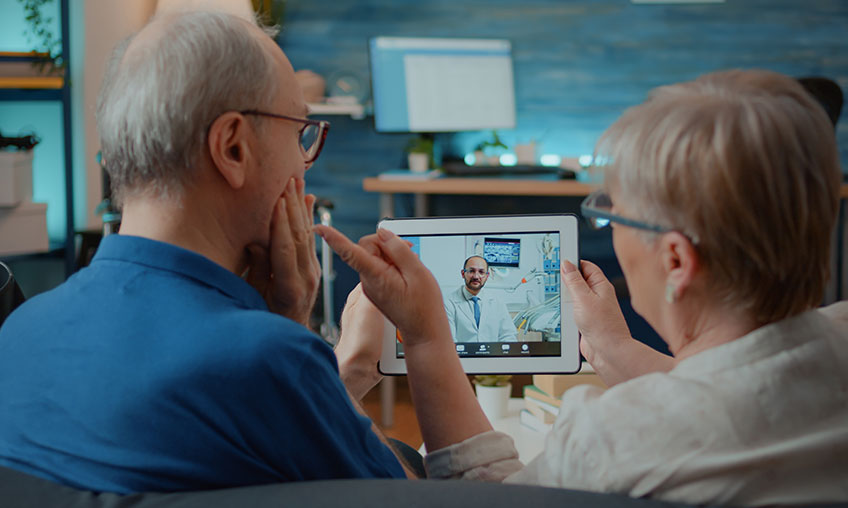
(287, 272)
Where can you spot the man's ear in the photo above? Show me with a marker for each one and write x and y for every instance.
(228, 147)
(680, 261)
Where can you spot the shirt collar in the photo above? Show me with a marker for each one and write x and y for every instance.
(467, 294)
(165, 256)
(768, 340)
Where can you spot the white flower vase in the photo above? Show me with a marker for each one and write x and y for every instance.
(494, 400)
(418, 162)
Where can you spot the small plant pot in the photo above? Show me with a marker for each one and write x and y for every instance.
(493, 400)
(418, 162)
(480, 158)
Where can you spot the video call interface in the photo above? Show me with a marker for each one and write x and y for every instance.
(501, 291)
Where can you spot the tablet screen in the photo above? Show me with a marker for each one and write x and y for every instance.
(501, 291)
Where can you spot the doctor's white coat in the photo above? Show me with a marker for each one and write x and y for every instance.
(495, 322)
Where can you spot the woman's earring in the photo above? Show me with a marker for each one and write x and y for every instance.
(670, 293)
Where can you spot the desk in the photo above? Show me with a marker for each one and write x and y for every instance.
(542, 186)
(480, 186)
(528, 442)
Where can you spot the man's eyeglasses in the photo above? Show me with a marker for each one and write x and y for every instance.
(312, 134)
(597, 206)
(472, 271)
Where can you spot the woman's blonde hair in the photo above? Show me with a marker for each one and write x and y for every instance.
(745, 164)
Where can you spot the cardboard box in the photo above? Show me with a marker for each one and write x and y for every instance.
(15, 177)
(23, 229)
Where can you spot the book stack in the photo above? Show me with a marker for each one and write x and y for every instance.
(543, 398)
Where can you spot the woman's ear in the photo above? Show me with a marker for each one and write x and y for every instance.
(680, 261)
(229, 148)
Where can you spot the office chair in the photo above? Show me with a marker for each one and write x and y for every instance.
(827, 92)
(10, 293)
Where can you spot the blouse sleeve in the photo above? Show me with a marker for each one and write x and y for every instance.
(490, 456)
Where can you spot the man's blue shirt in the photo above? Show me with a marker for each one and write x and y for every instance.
(155, 369)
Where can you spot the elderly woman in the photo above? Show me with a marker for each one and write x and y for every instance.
(722, 194)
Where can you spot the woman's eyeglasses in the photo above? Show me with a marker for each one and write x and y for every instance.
(597, 209)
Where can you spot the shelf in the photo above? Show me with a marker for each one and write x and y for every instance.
(22, 55)
(20, 80)
(32, 82)
(29, 71)
(21, 77)
(356, 111)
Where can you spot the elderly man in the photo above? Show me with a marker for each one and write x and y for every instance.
(159, 367)
(474, 315)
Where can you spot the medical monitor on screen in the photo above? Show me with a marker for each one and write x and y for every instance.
(441, 85)
(502, 251)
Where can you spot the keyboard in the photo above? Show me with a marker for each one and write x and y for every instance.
(459, 168)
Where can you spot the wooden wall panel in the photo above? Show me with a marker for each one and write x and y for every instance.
(578, 65)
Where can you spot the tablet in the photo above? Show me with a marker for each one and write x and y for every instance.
(500, 281)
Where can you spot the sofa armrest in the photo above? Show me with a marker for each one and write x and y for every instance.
(20, 490)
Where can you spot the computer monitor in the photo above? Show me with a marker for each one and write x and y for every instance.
(441, 84)
(502, 251)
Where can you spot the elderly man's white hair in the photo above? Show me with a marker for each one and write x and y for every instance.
(162, 91)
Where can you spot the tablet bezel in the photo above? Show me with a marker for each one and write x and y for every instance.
(566, 225)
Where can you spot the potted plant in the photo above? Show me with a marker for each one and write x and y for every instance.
(488, 151)
(47, 52)
(493, 393)
(419, 153)
(272, 12)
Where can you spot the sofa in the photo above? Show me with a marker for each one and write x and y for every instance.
(19, 490)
